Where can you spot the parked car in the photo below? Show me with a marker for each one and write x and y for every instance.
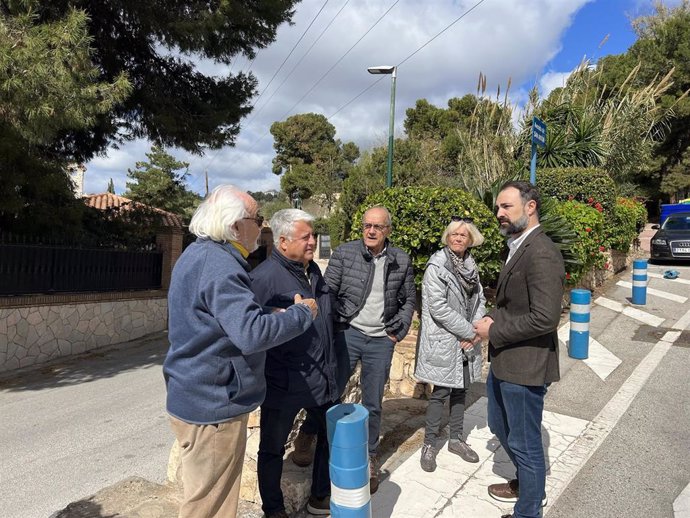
(672, 240)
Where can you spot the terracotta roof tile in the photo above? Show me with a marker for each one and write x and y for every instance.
(107, 201)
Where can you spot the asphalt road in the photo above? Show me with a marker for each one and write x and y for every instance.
(643, 464)
(73, 428)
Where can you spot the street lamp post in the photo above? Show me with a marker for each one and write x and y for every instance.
(391, 120)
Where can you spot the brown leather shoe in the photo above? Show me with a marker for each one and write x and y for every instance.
(509, 492)
(373, 474)
(304, 445)
(461, 448)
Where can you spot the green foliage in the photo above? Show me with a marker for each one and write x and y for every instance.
(157, 184)
(312, 161)
(48, 83)
(111, 187)
(588, 225)
(587, 185)
(161, 47)
(421, 214)
(624, 224)
(48, 86)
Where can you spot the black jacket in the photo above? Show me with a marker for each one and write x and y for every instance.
(302, 371)
(350, 274)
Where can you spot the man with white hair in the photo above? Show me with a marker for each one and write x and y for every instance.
(219, 334)
(301, 374)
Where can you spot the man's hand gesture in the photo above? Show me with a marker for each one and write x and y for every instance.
(310, 303)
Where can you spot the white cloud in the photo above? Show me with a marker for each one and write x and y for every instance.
(501, 38)
(552, 80)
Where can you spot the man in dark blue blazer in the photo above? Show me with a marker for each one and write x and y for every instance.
(302, 373)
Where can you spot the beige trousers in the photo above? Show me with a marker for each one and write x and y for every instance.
(211, 463)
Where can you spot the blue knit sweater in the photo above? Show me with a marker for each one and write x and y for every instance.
(219, 333)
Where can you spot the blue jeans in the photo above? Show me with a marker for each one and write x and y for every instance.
(514, 417)
(375, 354)
(275, 429)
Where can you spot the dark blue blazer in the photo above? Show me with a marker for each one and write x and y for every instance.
(302, 371)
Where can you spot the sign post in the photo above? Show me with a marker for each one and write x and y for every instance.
(538, 139)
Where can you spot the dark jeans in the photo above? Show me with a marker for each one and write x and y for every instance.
(375, 354)
(276, 424)
(434, 411)
(514, 416)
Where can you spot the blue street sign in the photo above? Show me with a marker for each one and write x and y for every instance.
(538, 139)
(538, 132)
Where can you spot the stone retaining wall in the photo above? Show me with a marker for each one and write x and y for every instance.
(39, 330)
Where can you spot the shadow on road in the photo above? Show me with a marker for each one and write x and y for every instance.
(100, 363)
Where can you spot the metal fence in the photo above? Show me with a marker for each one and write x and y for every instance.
(26, 269)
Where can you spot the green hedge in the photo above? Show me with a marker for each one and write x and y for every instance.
(624, 224)
(587, 185)
(421, 214)
(588, 224)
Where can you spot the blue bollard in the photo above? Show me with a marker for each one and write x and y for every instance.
(580, 301)
(639, 290)
(348, 439)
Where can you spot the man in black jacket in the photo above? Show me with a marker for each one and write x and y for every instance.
(372, 283)
(301, 374)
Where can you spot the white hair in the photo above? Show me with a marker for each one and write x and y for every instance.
(283, 223)
(476, 237)
(215, 217)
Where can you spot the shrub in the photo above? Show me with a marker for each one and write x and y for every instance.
(586, 185)
(588, 224)
(624, 224)
(421, 214)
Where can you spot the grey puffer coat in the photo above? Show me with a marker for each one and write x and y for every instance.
(350, 274)
(447, 316)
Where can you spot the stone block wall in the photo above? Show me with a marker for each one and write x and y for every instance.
(48, 327)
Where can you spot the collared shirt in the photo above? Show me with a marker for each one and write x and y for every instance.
(515, 242)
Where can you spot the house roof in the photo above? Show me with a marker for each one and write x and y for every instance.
(107, 201)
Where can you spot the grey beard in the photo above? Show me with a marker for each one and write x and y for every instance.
(516, 227)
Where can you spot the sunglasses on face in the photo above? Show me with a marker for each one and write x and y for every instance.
(462, 218)
(258, 219)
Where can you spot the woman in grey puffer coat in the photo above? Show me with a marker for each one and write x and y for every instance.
(450, 354)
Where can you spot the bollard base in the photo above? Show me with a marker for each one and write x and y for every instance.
(578, 347)
(348, 512)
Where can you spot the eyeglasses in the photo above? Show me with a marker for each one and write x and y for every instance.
(462, 218)
(259, 220)
(378, 228)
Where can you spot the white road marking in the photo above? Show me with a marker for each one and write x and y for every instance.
(602, 361)
(683, 323)
(659, 276)
(567, 466)
(657, 293)
(637, 314)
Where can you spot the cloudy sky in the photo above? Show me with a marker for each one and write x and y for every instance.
(527, 41)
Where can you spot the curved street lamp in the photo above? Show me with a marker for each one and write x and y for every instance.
(391, 121)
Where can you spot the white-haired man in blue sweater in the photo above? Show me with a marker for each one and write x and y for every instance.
(219, 335)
